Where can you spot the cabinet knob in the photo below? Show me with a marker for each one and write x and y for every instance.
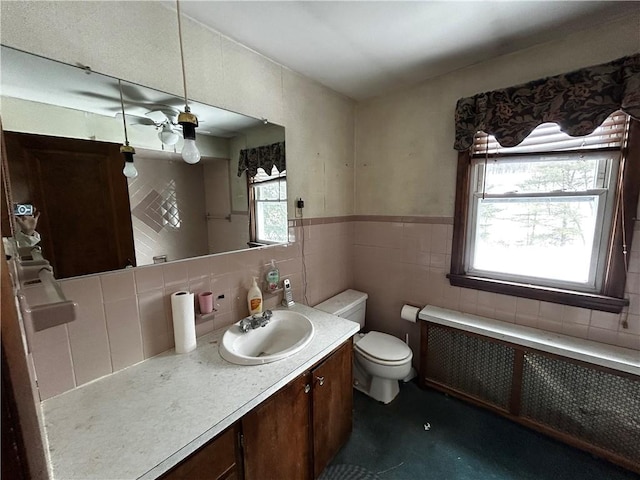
(307, 388)
(320, 380)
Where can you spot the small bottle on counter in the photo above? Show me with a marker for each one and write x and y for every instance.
(254, 299)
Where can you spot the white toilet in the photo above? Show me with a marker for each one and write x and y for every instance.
(380, 360)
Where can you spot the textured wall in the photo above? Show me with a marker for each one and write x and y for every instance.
(406, 165)
(405, 162)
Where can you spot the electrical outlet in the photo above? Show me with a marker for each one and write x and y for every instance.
(299, 207)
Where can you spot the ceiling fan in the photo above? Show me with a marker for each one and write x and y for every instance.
(160, 111)
(160, 114)
(164, 119)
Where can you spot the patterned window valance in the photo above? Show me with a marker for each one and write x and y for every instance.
(578, 101)
(264, 157)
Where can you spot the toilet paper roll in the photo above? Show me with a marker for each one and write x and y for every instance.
(409, 313)
(184, 321)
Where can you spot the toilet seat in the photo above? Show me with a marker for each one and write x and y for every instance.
(383, 349)
(383, 363)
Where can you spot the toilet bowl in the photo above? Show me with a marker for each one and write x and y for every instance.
(380, 360)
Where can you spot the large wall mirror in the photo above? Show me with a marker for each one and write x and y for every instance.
(63, 127)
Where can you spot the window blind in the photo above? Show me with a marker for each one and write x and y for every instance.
(262, 176)
(549, 138)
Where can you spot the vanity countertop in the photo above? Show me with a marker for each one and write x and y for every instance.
(143, 420)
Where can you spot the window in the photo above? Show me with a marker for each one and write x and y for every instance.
(268, 207)
(543, 219)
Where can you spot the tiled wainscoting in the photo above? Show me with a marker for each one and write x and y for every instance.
(125, 316)
(404, 260)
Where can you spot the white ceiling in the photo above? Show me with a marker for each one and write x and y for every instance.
(366, 48)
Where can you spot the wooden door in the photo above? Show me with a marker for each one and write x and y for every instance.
(332, 406)
(14, 465)
(219, 459)
(277, 445)
(6, 229)
(82, 194)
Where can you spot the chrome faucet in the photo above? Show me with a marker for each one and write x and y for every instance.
(255, 321)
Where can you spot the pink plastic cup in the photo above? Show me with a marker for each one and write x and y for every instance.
(205, 300)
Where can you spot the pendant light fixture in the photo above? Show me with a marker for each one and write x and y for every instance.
(188, 120)
(128, 151)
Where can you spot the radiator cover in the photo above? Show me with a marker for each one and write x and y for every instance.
(471, 365)
(588, 406)
(598, 407)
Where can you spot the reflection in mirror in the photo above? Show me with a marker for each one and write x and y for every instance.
(63, 131)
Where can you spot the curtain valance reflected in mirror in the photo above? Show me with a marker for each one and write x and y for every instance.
(63, 130)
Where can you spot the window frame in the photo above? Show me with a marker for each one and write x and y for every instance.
(606, 193)
(610, 297)
(254, 241)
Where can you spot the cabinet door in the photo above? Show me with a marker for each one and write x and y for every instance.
(217, 460)
(276, 442)
(332, 406)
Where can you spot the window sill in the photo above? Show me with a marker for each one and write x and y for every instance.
(591, 301)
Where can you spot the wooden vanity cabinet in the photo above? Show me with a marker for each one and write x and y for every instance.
(276, 441)
(292, 435)
(332, 410)
(296, 432)
(220, 459)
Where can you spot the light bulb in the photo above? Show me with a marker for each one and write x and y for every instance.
(130, 170)
(190, 152)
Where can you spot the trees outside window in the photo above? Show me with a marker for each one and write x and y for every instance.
(544, 219)
(268, 207)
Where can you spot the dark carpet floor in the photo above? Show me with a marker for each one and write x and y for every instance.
(460, 442)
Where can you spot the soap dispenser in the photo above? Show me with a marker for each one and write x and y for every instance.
(254, 299)
(273, 277)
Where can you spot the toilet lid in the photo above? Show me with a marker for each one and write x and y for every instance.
(383, 346)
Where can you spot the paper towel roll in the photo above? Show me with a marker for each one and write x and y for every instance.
(409, 313)
(184, 321)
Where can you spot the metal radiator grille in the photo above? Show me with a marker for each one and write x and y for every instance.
(470, 364)
(592, 405)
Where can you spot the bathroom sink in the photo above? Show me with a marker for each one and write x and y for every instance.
(286, 333)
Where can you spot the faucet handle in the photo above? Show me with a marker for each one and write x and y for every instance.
(267, 314)
(245, 324)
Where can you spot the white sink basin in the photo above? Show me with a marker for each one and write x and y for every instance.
(286, 333)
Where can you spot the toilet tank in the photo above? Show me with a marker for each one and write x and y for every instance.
(350, 304)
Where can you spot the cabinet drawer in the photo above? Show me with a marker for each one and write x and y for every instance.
(215, 461)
